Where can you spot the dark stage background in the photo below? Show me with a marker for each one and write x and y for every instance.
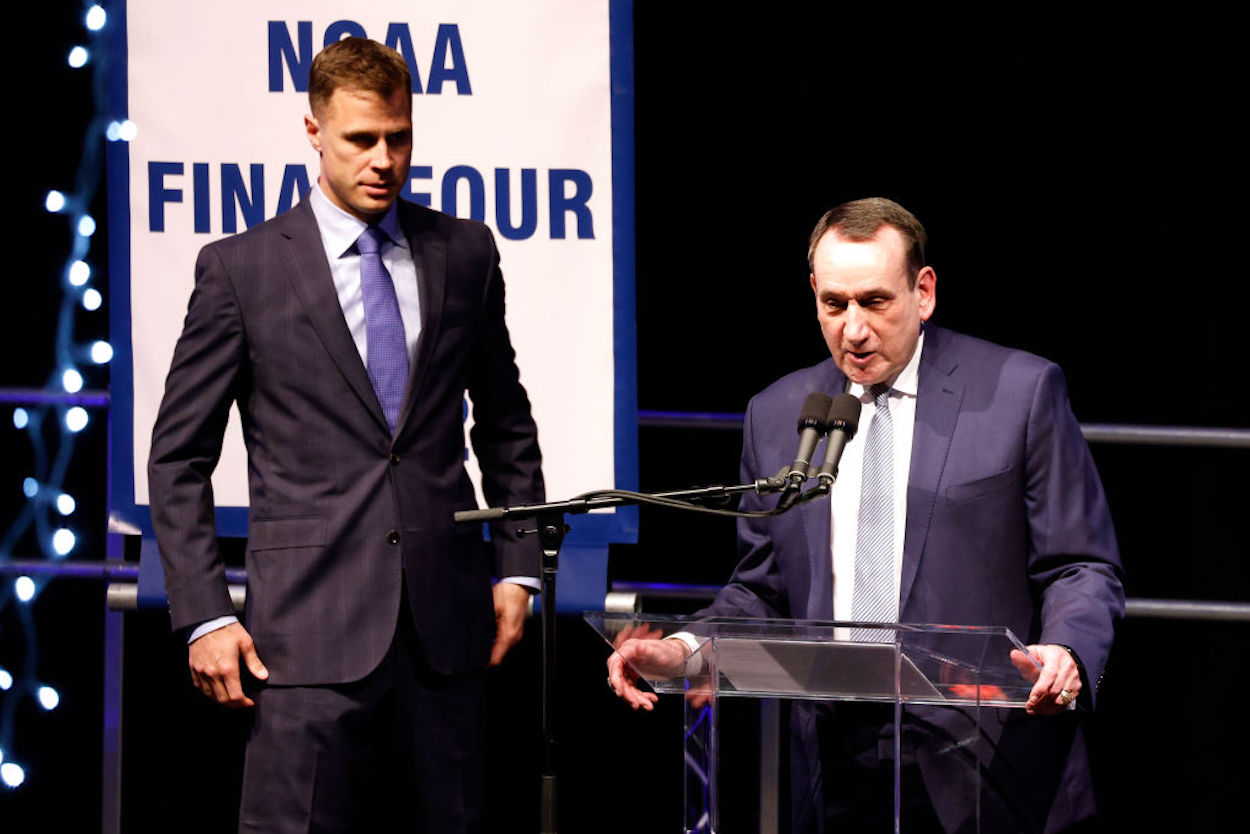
(1082, 176)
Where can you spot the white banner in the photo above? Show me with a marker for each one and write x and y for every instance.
(513, 122)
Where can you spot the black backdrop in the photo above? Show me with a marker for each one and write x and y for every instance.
(1081, 173)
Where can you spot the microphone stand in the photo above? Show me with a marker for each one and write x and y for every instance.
(551, 529)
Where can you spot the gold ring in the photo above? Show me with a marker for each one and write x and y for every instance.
(1065, 697)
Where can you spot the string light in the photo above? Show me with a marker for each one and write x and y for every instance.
(12, 774)
(79, 272)
(49, 508)
(71, 381)
(96, 18)
(63, 541)
(123, 131)
(24, 588)
(48, 697)
(76, 419)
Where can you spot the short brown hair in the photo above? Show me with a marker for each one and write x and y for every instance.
(356, 64)
(860, 219)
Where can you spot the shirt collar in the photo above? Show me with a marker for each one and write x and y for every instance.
(906, 383)
(339, 229)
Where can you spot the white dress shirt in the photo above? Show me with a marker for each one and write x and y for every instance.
(844, 498)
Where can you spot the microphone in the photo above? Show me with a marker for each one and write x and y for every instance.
(843, 421)
(812, 426)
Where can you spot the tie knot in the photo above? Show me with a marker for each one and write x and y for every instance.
(370, 240)
(880, 394)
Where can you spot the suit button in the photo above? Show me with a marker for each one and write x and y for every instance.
(393, 537)
(394, 459)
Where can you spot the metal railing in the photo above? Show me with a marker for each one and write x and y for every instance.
(122, 594)
(1192, 436)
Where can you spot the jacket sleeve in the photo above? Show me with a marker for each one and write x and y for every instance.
(504, 436)
(1074, 562)
(203, 382)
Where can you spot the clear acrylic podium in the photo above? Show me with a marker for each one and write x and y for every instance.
(938, 678)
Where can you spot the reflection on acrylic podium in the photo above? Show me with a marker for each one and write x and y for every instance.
(939, 679)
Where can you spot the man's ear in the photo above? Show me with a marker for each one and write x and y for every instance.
(313, 128)
(926, 285)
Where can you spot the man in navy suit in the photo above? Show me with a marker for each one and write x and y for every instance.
(994, 515)
(348, 331)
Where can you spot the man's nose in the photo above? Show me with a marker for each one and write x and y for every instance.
(381, 156)
(855, 324)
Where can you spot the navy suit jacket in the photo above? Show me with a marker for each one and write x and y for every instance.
(339, 509)
(1007, 525)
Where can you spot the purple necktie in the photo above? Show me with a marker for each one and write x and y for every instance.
(387, 353)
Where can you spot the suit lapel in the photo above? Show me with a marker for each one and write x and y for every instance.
(429, 253)
(314, 286)
(939, 395)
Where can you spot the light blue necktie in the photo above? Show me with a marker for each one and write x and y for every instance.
(387, 351)
(873, 598)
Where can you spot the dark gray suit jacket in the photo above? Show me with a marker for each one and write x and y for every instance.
(1007, 525)
(340, 510)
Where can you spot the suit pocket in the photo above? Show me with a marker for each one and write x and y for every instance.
(969, 490)
(280, 533)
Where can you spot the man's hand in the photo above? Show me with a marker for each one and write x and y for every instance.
(511, 606)
(663, 658)
(1055, 685)
(214, 662)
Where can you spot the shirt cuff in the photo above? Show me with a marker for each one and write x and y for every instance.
(210, 625)
(528, 582)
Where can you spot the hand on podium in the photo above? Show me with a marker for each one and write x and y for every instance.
(1056, 684)
(640, 653)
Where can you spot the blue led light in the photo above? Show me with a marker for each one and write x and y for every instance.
(65, 504)
(76, 419)
(63, 541)
(91, 299)
(12, 774)
(86, 225)
(49, 698)
(21, 418)
(78, 57)
(101, 352)
(30, 487)
(96, 18)
(24, 587)
(6, 682)
(71, 381)
(79, 272)
(54, 202)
